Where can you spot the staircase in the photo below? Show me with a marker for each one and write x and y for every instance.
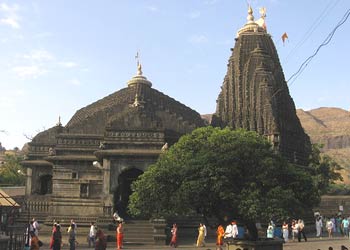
(136, 232)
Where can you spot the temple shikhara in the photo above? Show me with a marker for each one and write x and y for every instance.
(87, 166)
(255, 95)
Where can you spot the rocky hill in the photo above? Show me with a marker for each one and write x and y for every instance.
(330, 127)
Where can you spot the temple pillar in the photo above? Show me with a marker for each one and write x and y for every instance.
(28, 190)
(106, 176)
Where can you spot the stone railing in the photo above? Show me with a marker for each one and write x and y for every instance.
(41, 205)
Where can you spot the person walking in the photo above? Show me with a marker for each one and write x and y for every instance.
(330, 227)
(345, 226)
(120, 235)
(92, 234)
(200, 238)
(72, 237)
(220, 232)
(205, 232)
(36, 226)
(173, 241)
(319, 226)
(285, 231)
(56, 242)
(231, 230)
(295, 229)
(301, 231)
(270, 231)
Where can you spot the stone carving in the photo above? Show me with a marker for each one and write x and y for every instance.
(52, 151)
(255, 96)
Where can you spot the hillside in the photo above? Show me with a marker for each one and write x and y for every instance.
(330, 127)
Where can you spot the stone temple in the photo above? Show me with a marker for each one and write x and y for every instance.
(255, 95)
(86, 167)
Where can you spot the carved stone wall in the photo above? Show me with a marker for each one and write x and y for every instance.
(255, 96)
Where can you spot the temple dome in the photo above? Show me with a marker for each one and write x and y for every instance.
(139, 97)
(139, 78)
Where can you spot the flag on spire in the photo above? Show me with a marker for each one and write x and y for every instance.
(284, 37)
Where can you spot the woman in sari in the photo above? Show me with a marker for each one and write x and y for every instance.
(173, 242)
(56, 238)
(220, 232)
(120, 235)
(200, 239)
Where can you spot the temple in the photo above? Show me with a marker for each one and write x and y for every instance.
(255, 95)
(87, 166)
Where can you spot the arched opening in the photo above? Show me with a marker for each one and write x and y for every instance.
(46, 184)
(123, 191)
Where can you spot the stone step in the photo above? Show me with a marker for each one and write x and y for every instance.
(134, 231)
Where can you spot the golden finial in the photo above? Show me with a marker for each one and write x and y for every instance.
(250, 16)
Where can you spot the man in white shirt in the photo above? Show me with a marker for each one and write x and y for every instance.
(205, 231)
(231, 230)
(36, 226)
(92, 234)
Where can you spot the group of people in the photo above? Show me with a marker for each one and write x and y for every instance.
(56, 237)
(96, 237)
(231, 231)
(336, 224)
(32, 241)
(296, 227)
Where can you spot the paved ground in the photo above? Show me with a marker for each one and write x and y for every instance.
(311, 244)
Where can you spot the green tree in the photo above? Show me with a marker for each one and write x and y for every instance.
(326, 170)
(226, 174)
(11, 172)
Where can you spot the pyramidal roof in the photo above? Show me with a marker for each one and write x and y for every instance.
(137, 99)
(255, 95)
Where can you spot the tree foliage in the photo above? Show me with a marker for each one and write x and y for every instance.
(11, 172)
(223, 173)
(326, 170)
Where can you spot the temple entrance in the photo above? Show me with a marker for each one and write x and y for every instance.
(121, 195)
(46, 184)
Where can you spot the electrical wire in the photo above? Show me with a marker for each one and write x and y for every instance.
(302, 67)
(325, 42)
(313, 27)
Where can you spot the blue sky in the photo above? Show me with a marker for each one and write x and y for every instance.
(58, 56)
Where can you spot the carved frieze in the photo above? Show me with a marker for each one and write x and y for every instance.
(135, 134)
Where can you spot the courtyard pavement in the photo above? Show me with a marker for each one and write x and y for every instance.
(311, 244)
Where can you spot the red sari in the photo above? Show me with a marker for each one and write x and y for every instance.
(173, 241)
(120, 236)
(220, 232)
